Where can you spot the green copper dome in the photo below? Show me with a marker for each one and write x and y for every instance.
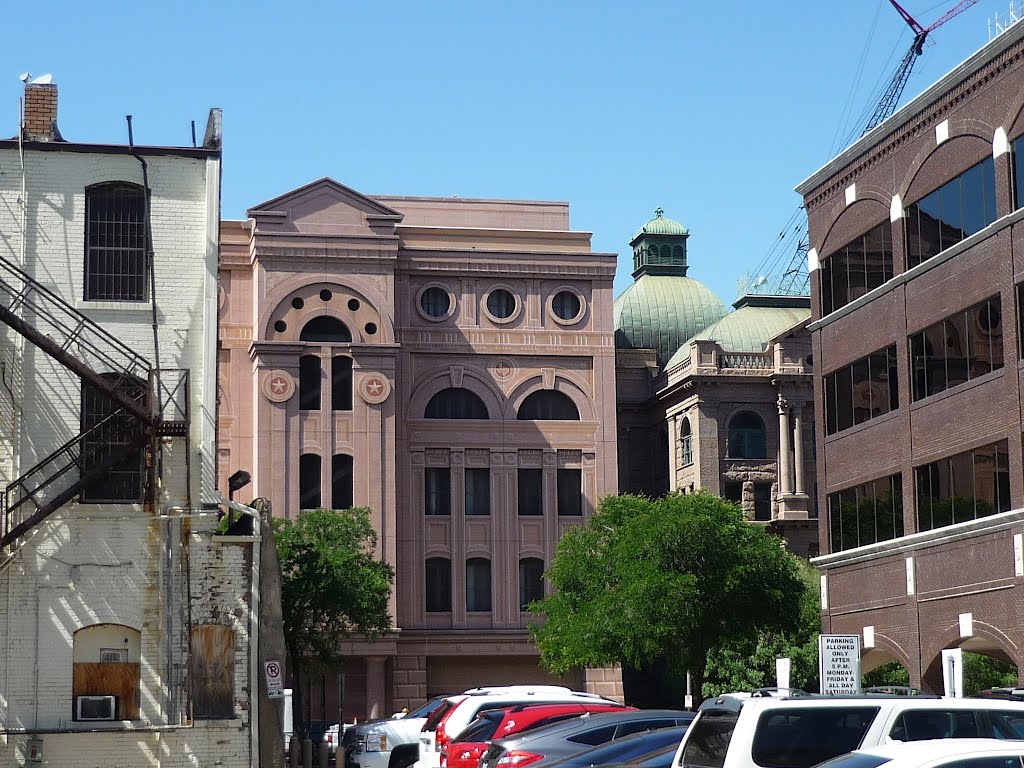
(756, 321)
(661, 312)
(659, 225)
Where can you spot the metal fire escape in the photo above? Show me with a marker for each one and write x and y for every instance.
(147, 403)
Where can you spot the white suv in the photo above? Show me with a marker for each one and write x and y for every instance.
(798, 732)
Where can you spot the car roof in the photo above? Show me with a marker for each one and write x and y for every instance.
(570, 727)
(732, 703)
(937, 748)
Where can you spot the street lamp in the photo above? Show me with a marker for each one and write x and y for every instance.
(237, 481)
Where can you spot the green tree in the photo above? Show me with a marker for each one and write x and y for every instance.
(664, 580)
(981, 672)
(332, 587)
(749, 662)
(892, 673)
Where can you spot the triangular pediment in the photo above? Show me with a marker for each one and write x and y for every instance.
(325, 207)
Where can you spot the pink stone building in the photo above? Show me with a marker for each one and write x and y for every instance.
(448, 363)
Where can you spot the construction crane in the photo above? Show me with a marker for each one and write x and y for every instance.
(891, 97)
(792, 278)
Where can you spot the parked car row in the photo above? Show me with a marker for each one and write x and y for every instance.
(554, 727)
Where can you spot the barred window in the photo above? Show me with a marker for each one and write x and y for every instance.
(115, 243)
(112, 439)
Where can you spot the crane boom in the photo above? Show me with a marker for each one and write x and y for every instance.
(893, 92)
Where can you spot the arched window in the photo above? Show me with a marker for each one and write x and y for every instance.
(112, 439)
(438, 585)
(115, 243)
(746, 437)
(309, 481)
(327, 329)
(666, 254)
(548, 405)
(309, 383)
(341, 383)
(677, 254)
(456, 403)
(478, 585)
(341, 481)
(531, 581)
(686, 442)
(106, 660)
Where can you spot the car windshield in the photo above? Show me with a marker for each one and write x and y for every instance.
(436, 716)
(427, 708)
(483, 728)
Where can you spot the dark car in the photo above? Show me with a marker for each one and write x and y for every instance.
(554, 742)
(630, 749)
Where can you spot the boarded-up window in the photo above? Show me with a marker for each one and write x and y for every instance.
(213, 671)
(106, 663)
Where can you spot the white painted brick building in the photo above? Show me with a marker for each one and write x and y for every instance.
(123, 589)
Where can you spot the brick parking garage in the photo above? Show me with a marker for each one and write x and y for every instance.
(917, 274)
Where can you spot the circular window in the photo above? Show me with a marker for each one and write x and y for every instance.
(326, 295)
(567, 306)
(502, 306)
(435, 302)
(370, 328)
(280, 326)
(353, 305)
(298, 303)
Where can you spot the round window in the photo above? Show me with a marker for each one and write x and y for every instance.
(326, 295)
(435, 302)
(298, 303)
(280, 326)
(501, 303)
(566, 305)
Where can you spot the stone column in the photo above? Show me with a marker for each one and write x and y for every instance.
(375, 701)
(798, 447)
(785, 473)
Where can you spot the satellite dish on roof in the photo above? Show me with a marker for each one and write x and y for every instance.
(41, 80)
(24, 76)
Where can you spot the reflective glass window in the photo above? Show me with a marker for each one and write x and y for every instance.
(959, 348)
(953, 212)
(1018, 172)
(963, 487)
(863, 390)
(860, 266)
(865, 514)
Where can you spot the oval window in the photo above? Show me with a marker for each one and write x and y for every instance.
(435, 302)
(566, 305)
(501, 303)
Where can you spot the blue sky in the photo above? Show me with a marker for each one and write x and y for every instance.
(712, 111)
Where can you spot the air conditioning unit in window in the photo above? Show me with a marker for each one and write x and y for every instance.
(95, 707)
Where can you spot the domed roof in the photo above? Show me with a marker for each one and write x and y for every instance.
(662, 311)
(659, 225)
(756, 321)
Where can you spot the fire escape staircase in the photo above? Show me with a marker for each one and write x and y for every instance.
(147, 403)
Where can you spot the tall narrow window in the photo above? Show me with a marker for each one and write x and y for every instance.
(478, 585)
(437, 491)
(763, 501)
(531, 492)
(570, 492)
(309, 383)
(309, 481)
(531, 581)
(953, 212)
(113, 438)
(341, 383)
(115, 237)
(746, 437)
(478, 491)
(548, 405)
(438, 585)
(341, 481)
(686, 443)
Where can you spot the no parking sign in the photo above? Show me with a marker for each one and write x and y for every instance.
(274, 674)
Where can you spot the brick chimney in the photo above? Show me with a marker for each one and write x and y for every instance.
(41, 112)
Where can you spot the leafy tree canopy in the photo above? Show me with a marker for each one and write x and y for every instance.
(667, 579)
(332, 584)
(749, 663)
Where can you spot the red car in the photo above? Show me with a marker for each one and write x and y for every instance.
(466, 749)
